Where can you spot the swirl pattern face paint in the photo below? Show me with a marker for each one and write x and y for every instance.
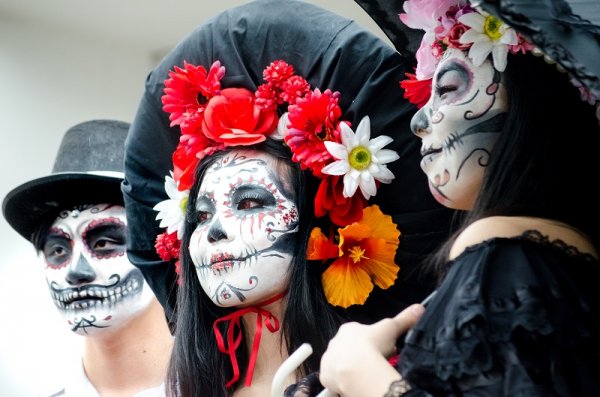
(91, 281)
(459, 127)
(247, 219)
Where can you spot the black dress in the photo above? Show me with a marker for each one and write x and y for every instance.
(514, 317)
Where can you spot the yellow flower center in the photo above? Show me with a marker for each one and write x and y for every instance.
(357, 253)
(183, 203)
(359, 158)
(492, 26)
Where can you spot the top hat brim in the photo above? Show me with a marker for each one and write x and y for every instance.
(31, 204)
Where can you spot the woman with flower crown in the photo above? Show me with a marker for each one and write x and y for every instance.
(509, 125)
(278, 225)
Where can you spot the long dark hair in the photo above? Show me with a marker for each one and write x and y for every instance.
(197, 367)
(545, 161)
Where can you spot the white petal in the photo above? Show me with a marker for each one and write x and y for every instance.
(347, 136)
(163, 205)
(384, 175)
(499, 55)
(350, 185)
(386, 156)
(282, 128)
(367, 185)
(363, 131)
(474, 20)
(510, 37)
(337, 150)
(378, 142)
(479, 52)
(340, 167)
(170, 187)
(470, 36)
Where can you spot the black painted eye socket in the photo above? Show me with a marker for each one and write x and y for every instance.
(452, 81)
(252, 197)
(107, 239)
(248, 204)
(57, 250)
(203, 216)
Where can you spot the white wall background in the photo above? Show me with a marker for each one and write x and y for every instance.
(49, 81)
(63, 62)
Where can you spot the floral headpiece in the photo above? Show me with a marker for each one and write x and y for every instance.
(349, 164)
(457, 24)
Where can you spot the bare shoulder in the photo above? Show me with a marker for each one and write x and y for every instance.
(514, 226)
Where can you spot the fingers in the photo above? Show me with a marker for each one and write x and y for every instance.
(408, 317)
(395, 327)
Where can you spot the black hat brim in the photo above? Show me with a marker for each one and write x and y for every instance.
(566, 31)
(29, 205)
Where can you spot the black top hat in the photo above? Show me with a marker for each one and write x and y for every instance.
(330, 52)
(88, 170)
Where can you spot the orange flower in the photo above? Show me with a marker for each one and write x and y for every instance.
(366, 252)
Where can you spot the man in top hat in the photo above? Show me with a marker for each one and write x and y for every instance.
(75, 219)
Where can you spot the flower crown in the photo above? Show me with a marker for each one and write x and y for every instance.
(345, 161)
(457, 24)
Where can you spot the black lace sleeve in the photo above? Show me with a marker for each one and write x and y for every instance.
(306, 387)
(514, 317)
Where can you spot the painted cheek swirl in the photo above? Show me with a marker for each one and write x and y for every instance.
(488, 100)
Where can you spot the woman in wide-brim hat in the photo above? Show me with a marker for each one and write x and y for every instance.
(509, 130)
(329, 74)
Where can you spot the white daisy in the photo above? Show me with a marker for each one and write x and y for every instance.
(172, 211)
(488, 34)
(361, 159)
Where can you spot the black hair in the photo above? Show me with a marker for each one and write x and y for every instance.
(544, 163)
(197, 367)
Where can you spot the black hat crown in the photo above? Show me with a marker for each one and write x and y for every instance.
(88, 170)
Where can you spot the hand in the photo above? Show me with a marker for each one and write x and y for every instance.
(355, 362)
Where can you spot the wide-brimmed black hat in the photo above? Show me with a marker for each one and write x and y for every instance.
(88, 170)
(330, 52)
(565, 31)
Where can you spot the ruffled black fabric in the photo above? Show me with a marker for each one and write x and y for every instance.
(514, 317)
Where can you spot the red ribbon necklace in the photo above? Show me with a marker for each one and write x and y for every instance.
(234, 341)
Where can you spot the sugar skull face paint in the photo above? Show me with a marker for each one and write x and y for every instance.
(91, 281)
(459, 127)
(243, 243)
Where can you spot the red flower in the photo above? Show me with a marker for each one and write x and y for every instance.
(313, 120)
(167, 246)
(330, 200)
(185, 161)
(416, 91)
(278, 72)
(267, 97)
(293, 88)
(233, 118)
(188, 90)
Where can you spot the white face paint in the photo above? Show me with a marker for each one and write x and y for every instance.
(243, 244)
(91, 281)
(459, 127)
